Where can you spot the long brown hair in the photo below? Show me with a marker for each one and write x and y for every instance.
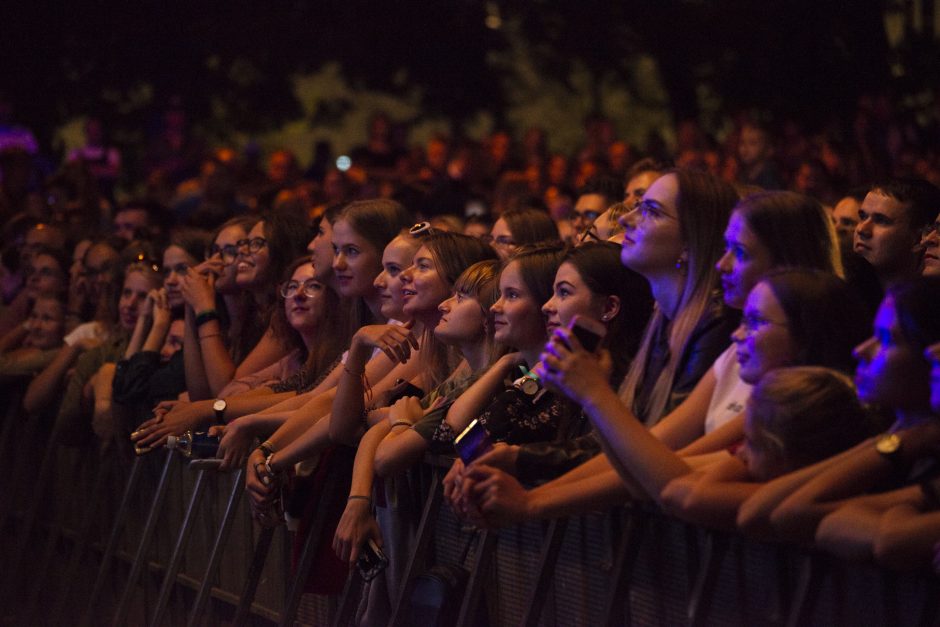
(452, 253)
(703, 208)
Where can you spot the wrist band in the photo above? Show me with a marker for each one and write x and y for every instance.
(205, 316)
(208, 335)
(400, 423)
(359, 497)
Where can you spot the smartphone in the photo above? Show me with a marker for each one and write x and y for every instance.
(472, 442)
(372, 561)
(589, 332)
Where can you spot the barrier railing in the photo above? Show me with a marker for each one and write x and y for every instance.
(93, 538)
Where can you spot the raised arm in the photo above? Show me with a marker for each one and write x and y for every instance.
(45, 388)
(475, 399)
(398, 346)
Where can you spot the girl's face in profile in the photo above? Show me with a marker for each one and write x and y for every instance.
(891, 371)
(652, 241)
(462, 320)
(423, 288)
(396, 257)
(763, 341)
(356, 262)
(572, 297)
(517, 318)
(745, 260)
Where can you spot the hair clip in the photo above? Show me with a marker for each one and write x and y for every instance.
(421, 228)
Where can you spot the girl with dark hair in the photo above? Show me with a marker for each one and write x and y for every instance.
(212, 285)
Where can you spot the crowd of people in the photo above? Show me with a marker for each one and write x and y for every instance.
(743, 353)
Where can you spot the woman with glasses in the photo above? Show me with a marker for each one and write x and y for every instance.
(261, 257)
(212, 286)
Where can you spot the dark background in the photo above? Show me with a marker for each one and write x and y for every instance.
(809, 61)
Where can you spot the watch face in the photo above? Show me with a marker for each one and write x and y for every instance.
(219, 405)
(888, 444)
(530, 387)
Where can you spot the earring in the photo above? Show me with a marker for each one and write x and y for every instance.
(680, 266)
(605, 317)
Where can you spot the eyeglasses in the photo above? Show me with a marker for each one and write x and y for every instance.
(309, 288)
(590, 216)
(752, 323)
(930, 228)
(228, 253)
(254, 244)
(180, 268)
(589, 234)
(650, 210)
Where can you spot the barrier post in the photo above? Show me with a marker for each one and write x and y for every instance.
(140, 558)
(221, 538)
(173, 565)
(418, 555)
(247, 596)
(82, 539)
(113, 538)
(551, 547)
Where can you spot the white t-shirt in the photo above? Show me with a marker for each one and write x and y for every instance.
(731, 393)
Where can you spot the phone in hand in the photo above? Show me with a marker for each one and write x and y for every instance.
(473, 442)
(589, 332)
(372, 561)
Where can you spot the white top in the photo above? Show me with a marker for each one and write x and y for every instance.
(731, 393)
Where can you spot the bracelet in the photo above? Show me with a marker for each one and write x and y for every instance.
(363, 379)
(355, 374)
(399, 423)
(266, 448)
(208, 335)
(205, 316)
(358, 497)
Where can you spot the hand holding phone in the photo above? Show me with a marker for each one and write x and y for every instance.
(589, 332)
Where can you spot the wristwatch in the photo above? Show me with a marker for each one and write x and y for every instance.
(219, 408)
(888, 446)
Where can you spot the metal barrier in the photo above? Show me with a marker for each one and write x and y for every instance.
(104, 540)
